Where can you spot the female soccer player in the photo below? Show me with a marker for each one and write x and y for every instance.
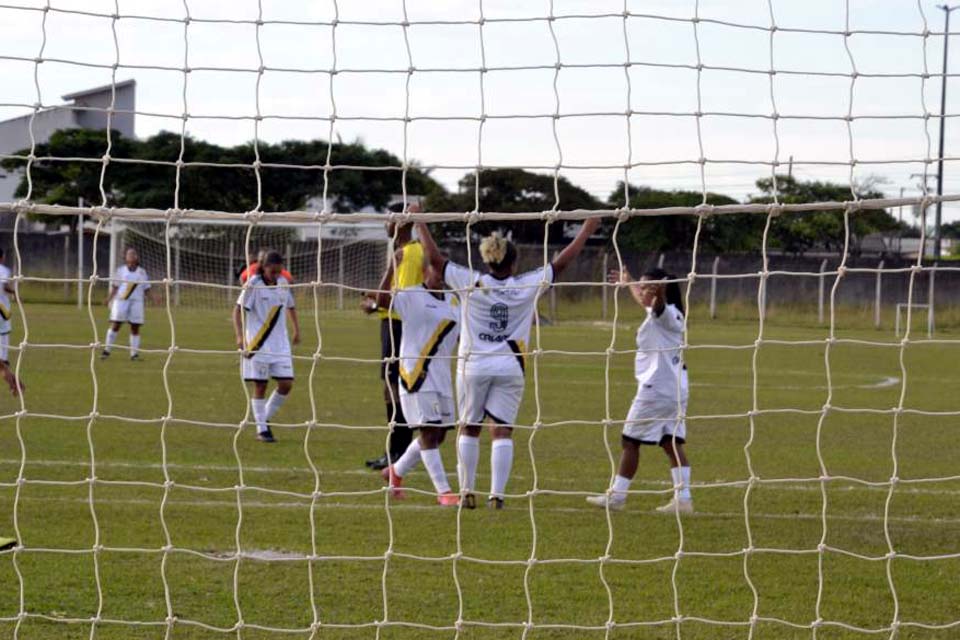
(430, 334)
(656, 415)
(260, 326)
(496, 311)
(127, 292)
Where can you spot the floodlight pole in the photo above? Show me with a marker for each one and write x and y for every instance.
(943, 110)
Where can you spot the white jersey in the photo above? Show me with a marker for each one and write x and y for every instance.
(266, 320)
(131, 285)
(5, 310)
(495, 316)
(430, 334)
(659, 362)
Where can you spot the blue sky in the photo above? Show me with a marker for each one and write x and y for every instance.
(663, 132)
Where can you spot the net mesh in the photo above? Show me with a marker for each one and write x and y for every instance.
(189, 249)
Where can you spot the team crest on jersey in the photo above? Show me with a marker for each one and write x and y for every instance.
(500, 314)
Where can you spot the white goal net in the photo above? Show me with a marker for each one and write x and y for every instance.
(755, 151)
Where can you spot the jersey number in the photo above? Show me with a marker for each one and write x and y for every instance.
(500, 314)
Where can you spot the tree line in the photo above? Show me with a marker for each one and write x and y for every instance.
(152, 184)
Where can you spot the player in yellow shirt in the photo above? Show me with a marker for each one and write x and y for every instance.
(409, 273)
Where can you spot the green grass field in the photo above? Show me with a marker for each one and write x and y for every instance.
(209, 510)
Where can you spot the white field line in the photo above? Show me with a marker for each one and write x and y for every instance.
(804, 486)
(323, 504)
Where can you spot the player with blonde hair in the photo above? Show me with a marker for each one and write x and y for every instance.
(496, 312)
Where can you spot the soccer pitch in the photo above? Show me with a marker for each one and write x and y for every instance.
(352, 577)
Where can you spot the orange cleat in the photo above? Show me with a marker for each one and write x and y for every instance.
(394, 481)
(448, 499)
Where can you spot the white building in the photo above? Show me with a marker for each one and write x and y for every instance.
(86, 109)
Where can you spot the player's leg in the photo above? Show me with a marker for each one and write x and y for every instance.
(8, 376)
(672, 445)
(502, 407)
(113, 330)
(393, 474)
(626, 470)
(256, 371)
(390, 336)
(471, 397)
(282, 372)
(430, 439)
(134, 341)
(402, 435)
(641, 427)
(135, 319)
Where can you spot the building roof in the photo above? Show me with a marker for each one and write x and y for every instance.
(89, 92)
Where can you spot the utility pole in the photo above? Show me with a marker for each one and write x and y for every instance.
(943, 111)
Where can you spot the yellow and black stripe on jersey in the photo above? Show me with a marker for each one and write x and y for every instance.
(131, 287)
(4, 311)
(265, 330)
(413, 380)
(519, 349)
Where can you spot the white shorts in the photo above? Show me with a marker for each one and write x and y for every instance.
(5, 346)
(427, 408)
(126, 311)
(262, 368)
(480, 396)
(653, 418)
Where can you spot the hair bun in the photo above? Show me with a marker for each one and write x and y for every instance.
(493, 248)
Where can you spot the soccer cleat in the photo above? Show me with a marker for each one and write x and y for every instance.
(7, 543)
(494, 502)
(448, 499)
(674, 506)
(266, 436)
(104, 354)
(134, 356)
(469, 501)
(378, 464)
(605, 501)
(394, 481)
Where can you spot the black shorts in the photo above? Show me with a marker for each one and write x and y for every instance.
(390, 348)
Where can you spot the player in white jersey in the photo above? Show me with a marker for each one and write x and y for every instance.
(260, 326)
(431, 329)
(656, 416)
(128, 290)
(6, 312)
(496, 311)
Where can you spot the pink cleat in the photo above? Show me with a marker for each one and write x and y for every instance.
(448, 499)
(394, 481)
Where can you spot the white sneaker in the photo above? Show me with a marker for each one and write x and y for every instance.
(604, 501)
(675, 505)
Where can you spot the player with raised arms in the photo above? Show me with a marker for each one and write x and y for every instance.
(6, 313)
(496, 312)
(656, 415)
(260, 327)
(430, 319)
(408, 273)
(128, 291)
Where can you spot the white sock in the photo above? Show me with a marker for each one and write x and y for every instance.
(409, 460)
(111, 338)
(468, 449)
(134, 344)
(434, 464)
(685, 476)
(681, 476)
(501, 459)
(259, 406)
(620, 487)
(274, 403)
